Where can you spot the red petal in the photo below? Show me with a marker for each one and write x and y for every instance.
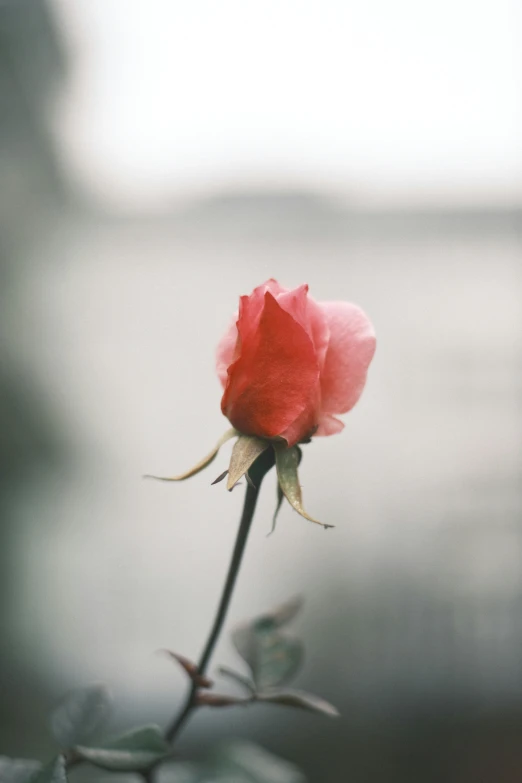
(275, 378)
(309, 314)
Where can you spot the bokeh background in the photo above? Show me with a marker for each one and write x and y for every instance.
(159, 158)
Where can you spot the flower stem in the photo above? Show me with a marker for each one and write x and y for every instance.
(257, 472)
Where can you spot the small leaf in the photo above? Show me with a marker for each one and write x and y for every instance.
(300, 699)
(132, 752)
(52, 773)
(272, 657)
(246, 450)
(245, 641)
(18, 770)
(79, 714)
(287, 461)
(202, 463)
(240, 679)
(284, 613)
(278, 658)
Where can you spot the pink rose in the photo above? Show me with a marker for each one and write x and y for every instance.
(289, 364)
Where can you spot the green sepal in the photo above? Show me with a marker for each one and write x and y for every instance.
(135, 751)
(280, 498)
(281, 494)
(287, 461)
(210, 457)
(246, 450)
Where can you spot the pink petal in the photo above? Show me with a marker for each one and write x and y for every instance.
(225, 351)
(256, 301)
(319, 330)
(350, 351)
(295, 303)
(309, 314)
(306, 423)
(329, 425)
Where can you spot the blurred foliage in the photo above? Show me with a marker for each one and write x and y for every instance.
(236, 762)
(80, 713)
(32, 193)
(274, 659)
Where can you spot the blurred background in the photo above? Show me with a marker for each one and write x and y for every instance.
(157, 160)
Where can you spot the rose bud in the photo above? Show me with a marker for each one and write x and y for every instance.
(289, 364)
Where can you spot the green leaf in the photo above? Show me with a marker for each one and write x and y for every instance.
(246, 636)
(244, 639)
(246, 450)
(18, 770)
(283, 613)
(272, 657)
(52, 773)
(132, 752)
(79, 714)
(287, 461)
(278, 658)
(244, 762)
(239, 679)
(210, 457)
(300, 699)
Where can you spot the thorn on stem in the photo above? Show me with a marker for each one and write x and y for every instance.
(218, 700)
(191, 669)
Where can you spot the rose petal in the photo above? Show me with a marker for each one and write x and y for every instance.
(309, 314)
(225, 351)
(256, 303)
(350, 351)
(305, 424)
(329, 425)
(295, 303)
(275, 377)
(319, 329)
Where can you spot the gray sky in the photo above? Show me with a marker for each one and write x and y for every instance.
(396, 102)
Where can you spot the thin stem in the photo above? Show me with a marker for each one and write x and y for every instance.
(257, 472)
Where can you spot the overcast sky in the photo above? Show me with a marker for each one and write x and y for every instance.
(394, 100)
